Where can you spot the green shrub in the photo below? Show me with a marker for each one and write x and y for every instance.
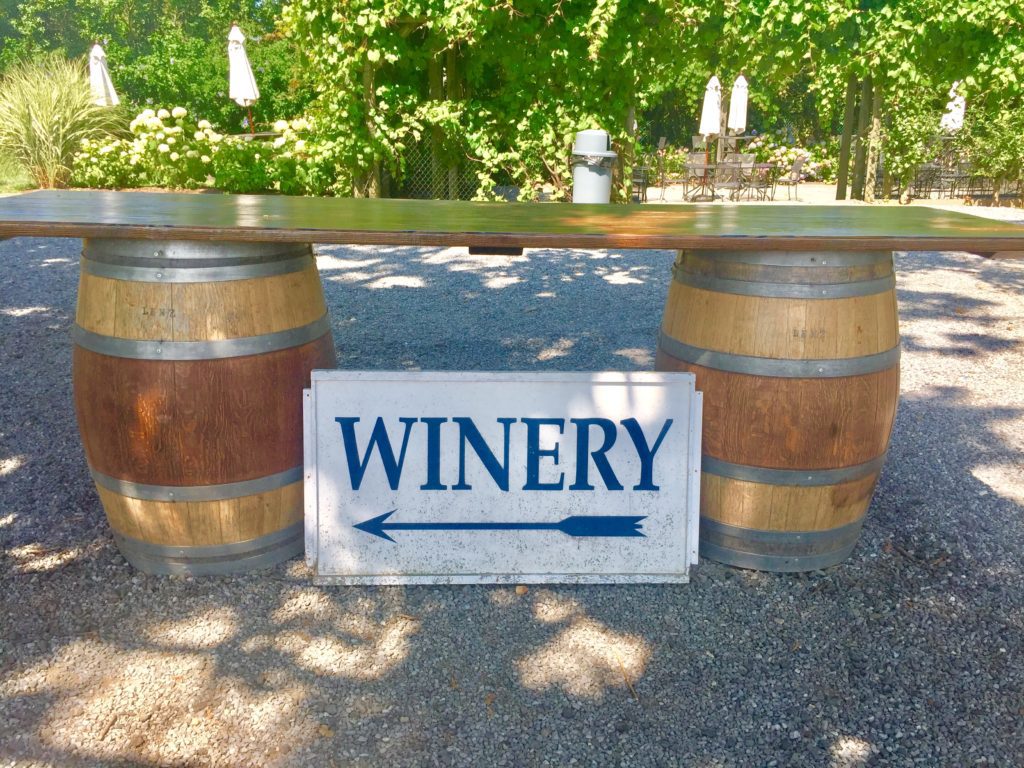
(168, 149)
(13, 177)
(995, 145)
(46, 111)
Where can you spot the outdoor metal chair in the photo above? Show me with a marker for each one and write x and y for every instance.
(791, 181)
(761, 185)
(699, 142)
(641, 179)
(695, 176)
(729, 177)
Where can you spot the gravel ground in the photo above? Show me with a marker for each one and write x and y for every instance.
(910, 653)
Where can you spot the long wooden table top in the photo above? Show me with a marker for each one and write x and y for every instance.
(149, 215)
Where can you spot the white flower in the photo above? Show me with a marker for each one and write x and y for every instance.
(191, 154)
(147, 113)
(300, 145)
(198, 135)
(300, 124)
(281, 125)
(215, 138)
(204, 124)
(280, 141)
(163, 148)
(171, 139)
(175, 155)
(205, 158)
(179, 112)
(163, 114)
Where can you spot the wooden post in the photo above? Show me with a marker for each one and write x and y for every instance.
(863, 122)
(849, 115)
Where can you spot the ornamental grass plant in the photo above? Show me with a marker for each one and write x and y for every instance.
(46, 111)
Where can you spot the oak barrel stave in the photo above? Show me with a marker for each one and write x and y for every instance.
(798, 358)
(189, 365)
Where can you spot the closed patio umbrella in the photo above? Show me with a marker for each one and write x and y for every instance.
(956, 108)
(241, 82)
(711, 114)
(737, 120)
(103, 92)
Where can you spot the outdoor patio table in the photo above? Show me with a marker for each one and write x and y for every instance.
(200, 316)
(705, 191)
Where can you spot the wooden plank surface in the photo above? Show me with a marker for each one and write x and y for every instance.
(436, 222)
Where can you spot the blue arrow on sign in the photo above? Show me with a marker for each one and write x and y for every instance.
(576, 525)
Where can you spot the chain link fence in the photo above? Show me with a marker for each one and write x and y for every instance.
(427, 178)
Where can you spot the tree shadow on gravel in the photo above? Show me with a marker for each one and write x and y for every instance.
(974, 325)
(102, 665)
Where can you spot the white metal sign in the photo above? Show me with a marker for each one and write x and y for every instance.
(436, 478)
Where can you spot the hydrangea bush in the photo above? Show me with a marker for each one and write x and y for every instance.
(168, 149)
(819, 161)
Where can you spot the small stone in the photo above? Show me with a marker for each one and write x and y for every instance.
(522, 589)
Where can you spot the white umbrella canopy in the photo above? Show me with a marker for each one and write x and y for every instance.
(103, 93)
(956, 108)
(241, 82)
(737, 120)
(711, 114)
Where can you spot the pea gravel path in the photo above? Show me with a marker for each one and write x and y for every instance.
(910, 653)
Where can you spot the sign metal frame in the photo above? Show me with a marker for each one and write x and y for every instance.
(391, 525)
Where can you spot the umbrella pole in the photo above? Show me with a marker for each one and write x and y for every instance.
(252, 126)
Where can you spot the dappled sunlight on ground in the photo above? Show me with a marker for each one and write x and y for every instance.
(102, 665)
(1006, 480)
(397, 281)
(200, 630)
(641, 358)
(11, 464)
(560, 348)
(326, 640)
(850, 752)
(37, 558)
(623, 277)
(550, 607)
(586, 659)
(109, 703)
(364, 658)
(23, 311)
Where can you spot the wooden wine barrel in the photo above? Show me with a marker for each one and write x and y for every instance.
(189, 363)
(797, 354)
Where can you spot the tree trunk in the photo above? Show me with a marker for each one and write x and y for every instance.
(627, 155)
(435, 83)
(453, 81)
(863, 124)
(371, 185)
(874, 146)
(849, 116)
